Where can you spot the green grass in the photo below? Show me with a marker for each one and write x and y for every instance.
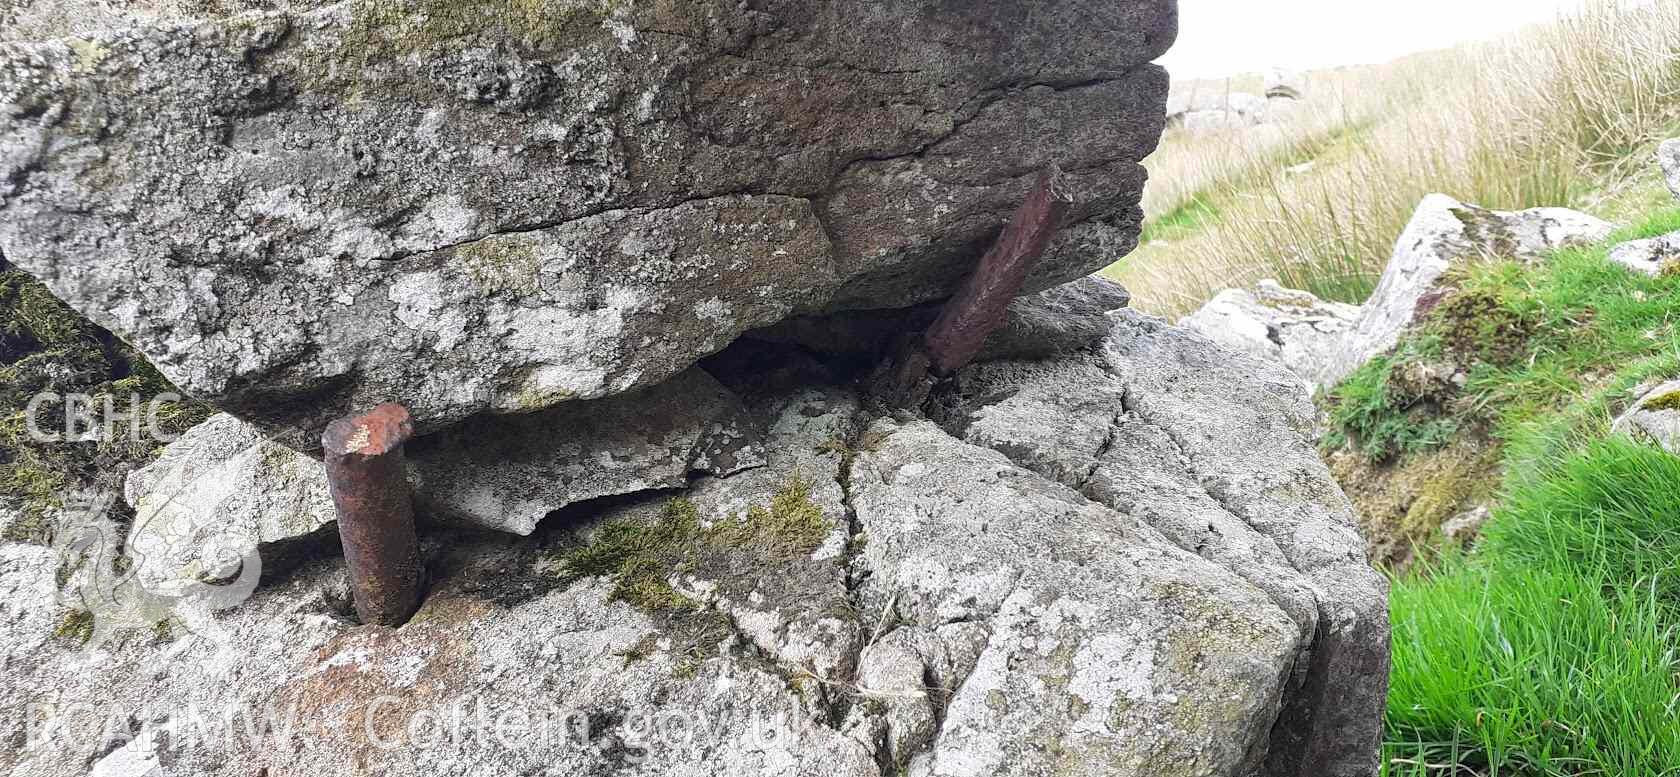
(1373, 412)
(1531, 341)
(1182, 220)
(1612, 509)
(1552, 648)
(1504, 669)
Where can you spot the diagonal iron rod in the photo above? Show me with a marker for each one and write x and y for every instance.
(981, 305)
(365, 472)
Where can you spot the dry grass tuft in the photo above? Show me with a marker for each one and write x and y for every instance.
(1564, 114)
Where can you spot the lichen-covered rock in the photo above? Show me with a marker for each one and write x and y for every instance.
(893, 674)
(1123, 562)
(29, 611)
(1444, 232)
(1239, 432)
(1109, 651)
(508, 472)
(796, 608)
(504, 205)
(1654, 418)
(214, 496)
(1651, 257)
(224, 491)
(1668, 158)
(1294, 328)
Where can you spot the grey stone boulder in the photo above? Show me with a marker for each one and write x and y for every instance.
(1668, 158)
(1291, 327)
(1203, 109)
(1655, 418)
(508, 472)
(1163, 581)
(1284, 84)
(214, 496)
(1249, 495)
(1651, 257)
(570, 680)
(314, 207)
(224, 491)
(1444, 232)
(1061, 319)
(1214, 121)
(1094, 623)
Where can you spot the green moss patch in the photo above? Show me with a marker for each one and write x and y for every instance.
(1477, 325)
(75, 628)
(792, 525)
(640, 557)
(1669, 401)
(47, 348)
(1402, 506)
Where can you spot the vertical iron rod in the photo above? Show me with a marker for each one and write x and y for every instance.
(365, 471)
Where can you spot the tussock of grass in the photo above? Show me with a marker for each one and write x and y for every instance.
(1370, 412)
(1511, 670)
(1612, 509)
(1552, 648)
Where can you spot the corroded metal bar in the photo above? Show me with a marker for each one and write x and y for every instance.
(364, 458)
(979, 307)
(976, 311)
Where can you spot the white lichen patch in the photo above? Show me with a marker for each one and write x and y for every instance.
(715, 311)
(1111, 672)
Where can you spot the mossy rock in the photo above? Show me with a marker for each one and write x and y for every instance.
(1657, 404)
(1477, 324)
(48, 349)
(1403, 504)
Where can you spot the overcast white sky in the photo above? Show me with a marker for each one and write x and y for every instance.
(1226, 37)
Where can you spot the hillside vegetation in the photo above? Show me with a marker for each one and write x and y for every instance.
(1565, 114)
(1549, 644)
(1552, 646)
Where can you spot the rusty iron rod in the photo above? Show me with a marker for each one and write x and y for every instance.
(981, 305)
(365, 472)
